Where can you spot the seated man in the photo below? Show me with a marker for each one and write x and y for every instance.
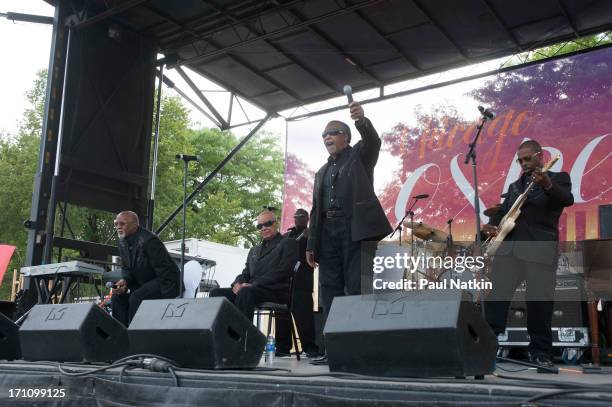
(268, 269)
(148, 271)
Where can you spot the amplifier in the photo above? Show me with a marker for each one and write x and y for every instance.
(569, 309)
(597, 260)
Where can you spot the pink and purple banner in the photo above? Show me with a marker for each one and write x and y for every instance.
(565, 104)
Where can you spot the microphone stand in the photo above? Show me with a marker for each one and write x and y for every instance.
(184, 226)
(401, 222)
(449, 238)
(471, 156)
(410, 213)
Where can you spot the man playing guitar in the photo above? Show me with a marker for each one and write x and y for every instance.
(530, 251)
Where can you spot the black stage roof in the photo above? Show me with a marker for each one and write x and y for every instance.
(280, 54)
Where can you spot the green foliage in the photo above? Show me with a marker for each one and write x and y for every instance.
(567, 47)
(223, 212)
(17, 168)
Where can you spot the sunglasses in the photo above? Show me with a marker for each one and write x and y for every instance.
(332, 133)
(265, 224)
(299, 215)
(527, 159)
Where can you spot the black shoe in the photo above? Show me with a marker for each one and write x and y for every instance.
(321, 361)
(544, 363)
(313, 354)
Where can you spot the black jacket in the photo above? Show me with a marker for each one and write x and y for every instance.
(270, 266)
(148, 259)
(536, 233)
(303, 279)
(356, 186)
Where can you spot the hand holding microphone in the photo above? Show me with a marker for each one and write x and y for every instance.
(355, 107)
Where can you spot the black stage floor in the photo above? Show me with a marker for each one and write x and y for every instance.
(300, 384)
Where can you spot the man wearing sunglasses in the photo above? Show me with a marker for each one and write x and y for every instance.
(267, 271)
(345, 210)
(148, 271)
(530, 252)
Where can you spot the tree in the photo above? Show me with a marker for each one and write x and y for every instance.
(226, 209)
(224, 212)
(17, 167)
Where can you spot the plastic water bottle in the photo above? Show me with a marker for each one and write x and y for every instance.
(270, 350)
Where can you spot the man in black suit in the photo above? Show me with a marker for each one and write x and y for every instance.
(268, 268)
(148, 271)
(302, 303)
(530, 252)
(345, 210)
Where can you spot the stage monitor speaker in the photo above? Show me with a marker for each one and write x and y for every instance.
(9, 339)
(72, 333)
(431, 333)
(207, 333)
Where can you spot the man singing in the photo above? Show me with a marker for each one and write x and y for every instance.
(148, 271)
(345, 210)
(530, 252)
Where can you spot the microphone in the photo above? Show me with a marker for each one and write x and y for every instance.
(486, 113)
(186, 157)
(422, 196)
(348, 91)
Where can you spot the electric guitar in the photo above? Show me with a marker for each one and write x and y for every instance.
(509, 220)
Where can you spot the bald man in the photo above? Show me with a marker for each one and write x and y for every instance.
(267, 271)
(530, 251)
(146, 267)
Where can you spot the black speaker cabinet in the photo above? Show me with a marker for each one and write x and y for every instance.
(207, 333)
(9, 339)
(433, 333)
(605, 221)
(597, 261)
(72, 333)
(569, 309)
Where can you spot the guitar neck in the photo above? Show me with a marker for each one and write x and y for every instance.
(518, 203)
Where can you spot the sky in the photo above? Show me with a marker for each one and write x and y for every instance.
(25, 50)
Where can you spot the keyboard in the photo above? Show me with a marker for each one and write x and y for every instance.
(69, 268)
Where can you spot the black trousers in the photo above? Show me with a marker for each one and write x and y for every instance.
(508, 272)
(124, 306)
(343, 263)
(248, 297)
(304, 320)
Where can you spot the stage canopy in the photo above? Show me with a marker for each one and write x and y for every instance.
(280, 54)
